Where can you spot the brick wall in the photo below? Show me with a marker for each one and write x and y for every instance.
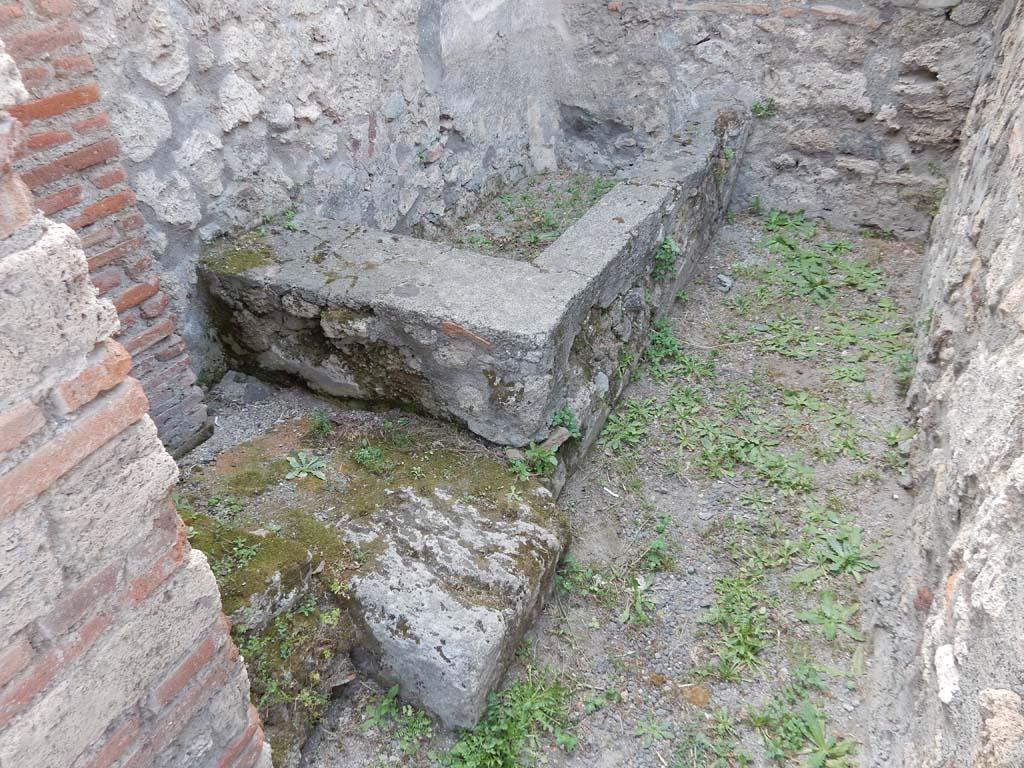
(70, 161)
(113, 648)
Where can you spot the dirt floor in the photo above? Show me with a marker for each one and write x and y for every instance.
(529, 215)
(737, 536)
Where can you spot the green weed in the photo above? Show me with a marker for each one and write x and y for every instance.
(831, 617)
(651, 730)
(762, 110)
(515, 721)
(665, 258)
(303, 465)
(564, 417)
(740, 617)
(372, 459)
(320, 423)
(639, 606)
(629, 427)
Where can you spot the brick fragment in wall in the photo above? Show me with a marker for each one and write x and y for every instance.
(106, 367)
(49, 300)
(18, 423)
(93, 427)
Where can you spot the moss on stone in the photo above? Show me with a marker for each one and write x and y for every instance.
(239, 254)
(247, 559)
(285, 552)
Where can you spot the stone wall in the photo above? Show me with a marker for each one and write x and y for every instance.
(869, 96)
(379, 113)
(969, 390)
(394, 114)
(113, 648)
(71, 161)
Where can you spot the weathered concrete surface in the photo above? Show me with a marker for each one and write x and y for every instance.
(418, 556)
(452, 594)
(969, 391)
(497, 345)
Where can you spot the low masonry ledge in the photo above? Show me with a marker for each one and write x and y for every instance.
(495, 344)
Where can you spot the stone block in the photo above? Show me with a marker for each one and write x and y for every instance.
(495, 344)
(444, 621)
(49, 314)
(110, 501)
(30, 574)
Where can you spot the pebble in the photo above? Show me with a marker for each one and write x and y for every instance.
(725, 283)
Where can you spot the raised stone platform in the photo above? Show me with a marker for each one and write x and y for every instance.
(494, 344)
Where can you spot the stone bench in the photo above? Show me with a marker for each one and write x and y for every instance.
(494, 344)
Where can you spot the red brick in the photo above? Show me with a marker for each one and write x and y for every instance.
(155, 306)
(173, 722)
(108, 366)
(242, 743)
(92, 124)
(114, 253)
(252, 755)
(117, 743)
(106, 281)
(81, 600)
(110, 178)
(43, 40)
(18, 423)
(10, 13)
(55, 7)
(108, 417)
(147, 338)
(97, 236)
(74, 65)
(171, 351)
(108, 205)
(187, 670)
(46, 140)
(135, 295)
(833, 13)
(162, 415)
(35, 77)
(87, 157)
(143, 586)
(59, 201)
(58, 104)
(14, 698)
(140, 267)
(134, 221)
(129, 320)
(14, 659)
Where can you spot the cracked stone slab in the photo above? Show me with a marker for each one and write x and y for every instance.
(451, 595)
